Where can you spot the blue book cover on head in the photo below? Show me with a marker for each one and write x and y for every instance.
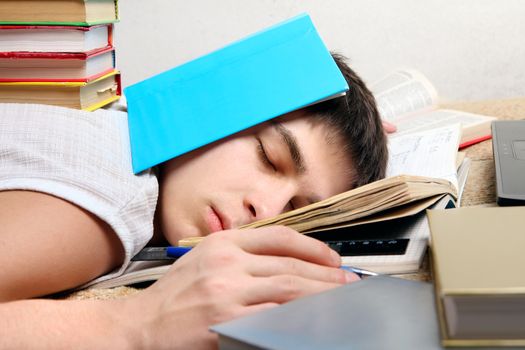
(267, 74)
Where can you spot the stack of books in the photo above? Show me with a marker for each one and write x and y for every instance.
(58, 53)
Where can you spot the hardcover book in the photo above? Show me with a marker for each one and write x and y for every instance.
(260, 77)
(56, 66)
(58, 12)
(477, 263)
(24, 38)
(80, 95)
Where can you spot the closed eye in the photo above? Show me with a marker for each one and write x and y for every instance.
(263, 156)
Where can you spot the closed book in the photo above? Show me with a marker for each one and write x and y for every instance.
(24, 38)
(80, 95)
(56, 66)
(374, 313)
(267, 74)
(477, 260)
(58, 12)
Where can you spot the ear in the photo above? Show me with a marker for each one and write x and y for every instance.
(389, 127)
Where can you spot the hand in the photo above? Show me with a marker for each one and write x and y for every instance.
(230, 274)
(389, 127)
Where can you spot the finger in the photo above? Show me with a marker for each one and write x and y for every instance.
(251, 309)
(283, 241)
(266, 266)
(283, 288)
(389, 127)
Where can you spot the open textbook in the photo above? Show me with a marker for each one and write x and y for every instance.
(422, 169)
(421, 174)
(407, 99)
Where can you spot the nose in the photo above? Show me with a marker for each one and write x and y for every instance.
(268, 202)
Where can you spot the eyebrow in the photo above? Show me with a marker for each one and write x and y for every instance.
(293, 147)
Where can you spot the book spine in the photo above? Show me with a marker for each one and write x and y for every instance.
(110, 35)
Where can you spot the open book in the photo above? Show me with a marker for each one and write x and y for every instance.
(421, 174)
(407, 99)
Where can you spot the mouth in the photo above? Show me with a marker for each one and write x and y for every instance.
(214, 220)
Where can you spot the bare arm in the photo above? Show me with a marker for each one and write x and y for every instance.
(48, 245)
(67, 324)
(229, 274)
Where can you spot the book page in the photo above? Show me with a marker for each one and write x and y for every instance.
(429, 153)
(402, 93)
(463, 170)
(438, 118)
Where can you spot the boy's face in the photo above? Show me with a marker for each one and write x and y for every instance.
(258, 173)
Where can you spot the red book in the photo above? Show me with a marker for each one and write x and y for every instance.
(15, 38)
(56, 66)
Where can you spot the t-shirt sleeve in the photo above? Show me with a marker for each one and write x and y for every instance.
(84, 158)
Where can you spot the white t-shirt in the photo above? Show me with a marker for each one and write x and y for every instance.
(82, 157)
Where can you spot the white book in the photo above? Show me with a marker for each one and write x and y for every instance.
(55, 38)
(408, 99)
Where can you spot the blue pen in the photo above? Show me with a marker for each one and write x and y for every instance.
(177, 252)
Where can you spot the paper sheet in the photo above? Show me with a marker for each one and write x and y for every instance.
(429, 153)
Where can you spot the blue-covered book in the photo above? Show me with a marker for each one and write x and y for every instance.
(267, 74)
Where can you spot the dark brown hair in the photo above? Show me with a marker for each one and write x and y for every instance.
(356, 120)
